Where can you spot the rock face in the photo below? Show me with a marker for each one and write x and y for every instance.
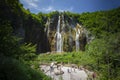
(74, 36)
(32, 31)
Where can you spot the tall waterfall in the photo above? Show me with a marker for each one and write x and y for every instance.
(63, 30)
(58, 38)
(77, 39)
(48, 27)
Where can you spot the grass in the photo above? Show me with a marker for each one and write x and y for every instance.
(78, 58)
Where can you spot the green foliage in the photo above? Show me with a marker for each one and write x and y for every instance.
(78, 58)
(72, 15)
(27, 51)
(105, 52)
(11, 69)
(102, 22)
(14, 56)
(9, 45)
(7, 41)
(52, 14)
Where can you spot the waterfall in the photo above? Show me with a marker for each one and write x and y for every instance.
(48, 27)
(63, 31)
(58, 38)
(77, 39)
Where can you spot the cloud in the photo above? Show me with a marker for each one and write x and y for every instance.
(51, 8)
(48, 9)
(34, 6)
(31, 3)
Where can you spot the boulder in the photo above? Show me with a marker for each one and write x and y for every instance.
(58, 72)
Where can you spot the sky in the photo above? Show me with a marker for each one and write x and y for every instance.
(76, 6)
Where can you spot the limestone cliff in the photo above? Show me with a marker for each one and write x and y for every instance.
(68, 29)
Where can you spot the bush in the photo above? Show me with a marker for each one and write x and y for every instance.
(12, 69)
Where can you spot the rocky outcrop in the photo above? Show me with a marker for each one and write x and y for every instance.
(68, 29)
(32, 31)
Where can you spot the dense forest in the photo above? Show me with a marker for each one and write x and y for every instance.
(23, 38)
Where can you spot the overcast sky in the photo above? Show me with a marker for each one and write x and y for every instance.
(77, 6)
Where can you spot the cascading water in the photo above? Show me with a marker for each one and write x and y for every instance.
(77, 39)
(70, 39)
(48, 27)
(63, 30)
(58, 38)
